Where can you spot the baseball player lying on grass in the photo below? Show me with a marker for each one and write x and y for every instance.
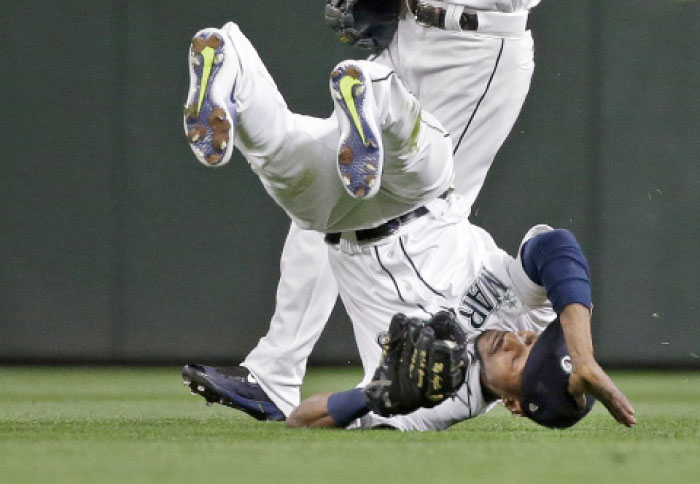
(376, 179)
(469, 63)
(502, 347)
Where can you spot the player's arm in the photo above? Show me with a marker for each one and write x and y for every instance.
(329, 409)
(555, 261)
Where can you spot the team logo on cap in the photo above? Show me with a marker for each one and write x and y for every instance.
(566, 365)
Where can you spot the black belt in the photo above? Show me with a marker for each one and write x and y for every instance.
(432, 16)
(385, 229)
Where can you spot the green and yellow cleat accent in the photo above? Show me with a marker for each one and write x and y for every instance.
(346, 84)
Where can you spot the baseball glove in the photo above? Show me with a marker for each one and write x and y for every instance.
(370, 24)
(423, 363)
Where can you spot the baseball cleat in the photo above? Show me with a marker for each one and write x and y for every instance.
(230, 386)
(210, 111)
(360, 151)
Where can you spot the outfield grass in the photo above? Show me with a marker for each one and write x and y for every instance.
(142, 426)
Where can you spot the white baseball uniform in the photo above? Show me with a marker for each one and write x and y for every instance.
(473, 82)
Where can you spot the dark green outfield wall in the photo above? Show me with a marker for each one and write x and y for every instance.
(118, 246)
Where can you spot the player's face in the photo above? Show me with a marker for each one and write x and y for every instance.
(503, 355)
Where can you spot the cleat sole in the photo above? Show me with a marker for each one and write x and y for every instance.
(360, 153)
(209, 116)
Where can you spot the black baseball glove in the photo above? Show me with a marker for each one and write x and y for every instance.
(423, 363)
(369, 24)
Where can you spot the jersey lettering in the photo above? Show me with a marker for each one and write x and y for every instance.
(484, 296)
(474, 315)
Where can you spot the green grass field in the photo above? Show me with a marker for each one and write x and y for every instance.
(142, 426)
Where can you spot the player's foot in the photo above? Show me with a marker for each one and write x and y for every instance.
(210, 110)
(230, 386)
(360, 153)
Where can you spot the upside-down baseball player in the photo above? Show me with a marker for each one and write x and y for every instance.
(376, 179)
(513, 348)
(469, 62)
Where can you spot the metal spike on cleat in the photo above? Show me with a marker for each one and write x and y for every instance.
(220, 140)
(214, 158)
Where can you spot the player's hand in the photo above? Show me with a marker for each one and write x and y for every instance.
(590, 378)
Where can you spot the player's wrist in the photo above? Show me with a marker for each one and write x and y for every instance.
(585, 366)
(344, 407)
(576, 324)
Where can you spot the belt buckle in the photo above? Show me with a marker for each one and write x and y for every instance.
(428, 15)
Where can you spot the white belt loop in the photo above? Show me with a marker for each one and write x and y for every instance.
(453, 13)
(349, 244)
(502, 24)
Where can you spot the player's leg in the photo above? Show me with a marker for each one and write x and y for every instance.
(417, 164)
(306, 294)
(474, 83)
(481, 134)
(233, 101)
(266, 385)
(232, 98)
(300, 163)
(295, 156)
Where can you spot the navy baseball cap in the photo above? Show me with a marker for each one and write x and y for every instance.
(545, 382)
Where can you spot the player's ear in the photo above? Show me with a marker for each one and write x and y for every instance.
(514, 405)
